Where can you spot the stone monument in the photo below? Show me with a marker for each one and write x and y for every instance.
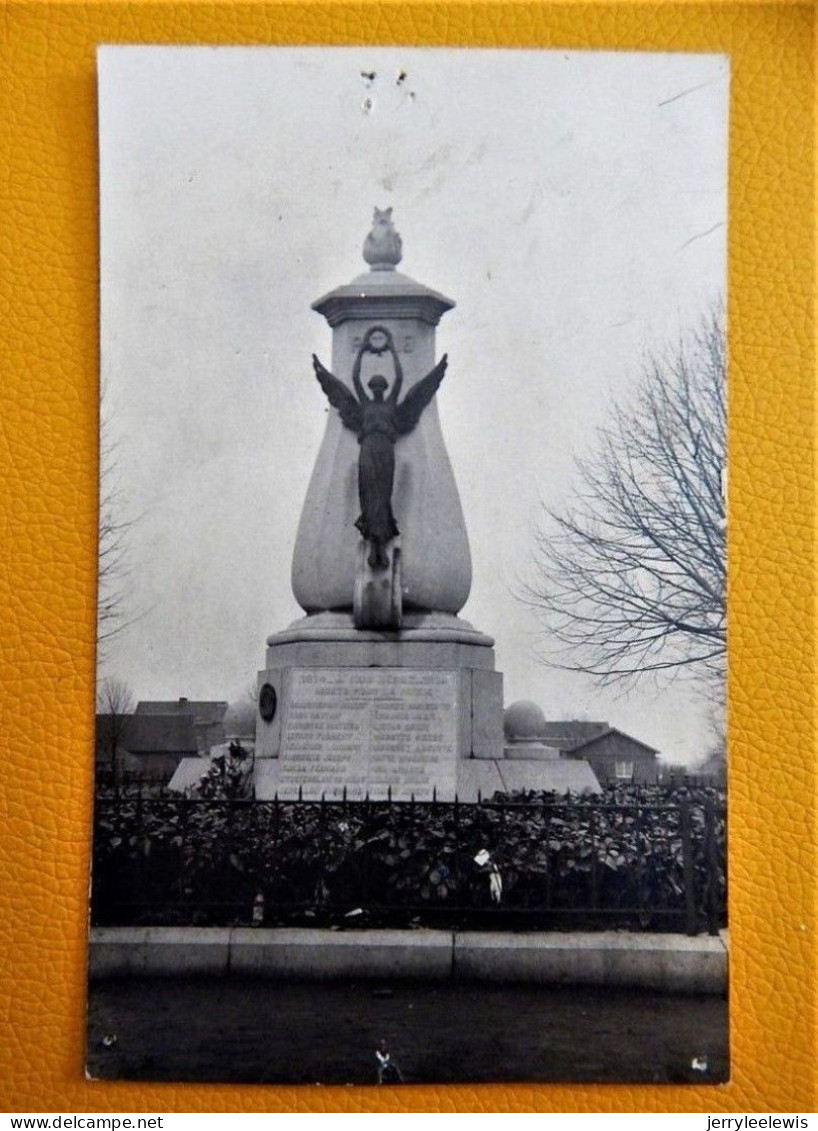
(380, 688)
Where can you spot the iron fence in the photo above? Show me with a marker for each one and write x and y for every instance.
(160, 858)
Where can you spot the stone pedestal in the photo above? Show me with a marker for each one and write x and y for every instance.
(374, 713)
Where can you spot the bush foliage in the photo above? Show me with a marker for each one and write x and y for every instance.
(535, 860)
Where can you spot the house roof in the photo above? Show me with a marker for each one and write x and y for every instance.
(202, 710)
(155, 734)
(570, 733)
(583, 746)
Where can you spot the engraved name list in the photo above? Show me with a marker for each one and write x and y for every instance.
(369, 731)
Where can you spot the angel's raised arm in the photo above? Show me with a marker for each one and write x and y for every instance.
(394, 392)
(356, 375)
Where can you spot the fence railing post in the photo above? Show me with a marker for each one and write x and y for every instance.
(140, 834)
(454, 883)
(231, 839)
(594, 869)
(367, 834)
(688, 867)
(640, 866)
(546, 809)
(185, 853)
(712, 867)
(271, 877)
(322, 888)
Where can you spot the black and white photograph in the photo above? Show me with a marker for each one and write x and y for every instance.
(411, 735)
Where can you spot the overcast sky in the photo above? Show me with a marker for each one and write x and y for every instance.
(573, 204)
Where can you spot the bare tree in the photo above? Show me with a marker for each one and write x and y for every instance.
(240, 718)
(115, 703)
(714, 760)
(631, 579)
(113, 613)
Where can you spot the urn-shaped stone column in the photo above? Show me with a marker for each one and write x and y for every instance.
(435, 558)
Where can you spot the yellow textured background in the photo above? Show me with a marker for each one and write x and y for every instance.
(48, 451)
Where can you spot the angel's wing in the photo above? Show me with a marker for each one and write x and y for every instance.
(408, 413)
(339, 396)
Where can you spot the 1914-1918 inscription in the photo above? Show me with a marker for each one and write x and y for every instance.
(369, 731)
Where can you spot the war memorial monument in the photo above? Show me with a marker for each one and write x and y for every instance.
(381, 689)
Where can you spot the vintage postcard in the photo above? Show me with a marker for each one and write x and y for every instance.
(411, 735)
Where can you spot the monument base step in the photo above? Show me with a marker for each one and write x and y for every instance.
(416, 627)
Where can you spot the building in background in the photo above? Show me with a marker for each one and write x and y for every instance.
(618, 758)
(611, 755)
(153, 741)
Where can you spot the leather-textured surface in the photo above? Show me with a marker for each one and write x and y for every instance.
(48, 337)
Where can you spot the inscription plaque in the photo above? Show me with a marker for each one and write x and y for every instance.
(369, 730)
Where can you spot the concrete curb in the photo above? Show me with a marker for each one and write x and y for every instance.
(314, 955)
(671, 963)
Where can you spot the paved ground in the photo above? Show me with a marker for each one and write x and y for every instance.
(268, 1032)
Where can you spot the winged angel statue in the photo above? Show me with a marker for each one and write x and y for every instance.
(378, 421)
